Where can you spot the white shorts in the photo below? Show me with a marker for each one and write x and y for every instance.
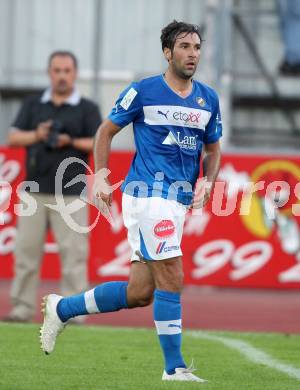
(155, 227)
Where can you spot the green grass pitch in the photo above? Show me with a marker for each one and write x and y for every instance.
(88, 358)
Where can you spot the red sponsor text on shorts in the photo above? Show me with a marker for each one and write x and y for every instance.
(164, 228)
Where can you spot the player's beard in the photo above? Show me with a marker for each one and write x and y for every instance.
(182, 73)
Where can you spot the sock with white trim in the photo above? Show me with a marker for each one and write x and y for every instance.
(106, 297)
(167, 318)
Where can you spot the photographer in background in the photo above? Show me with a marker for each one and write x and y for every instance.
(53, 126)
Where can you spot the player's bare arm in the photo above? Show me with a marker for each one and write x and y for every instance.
(211, 159)
(102, 146)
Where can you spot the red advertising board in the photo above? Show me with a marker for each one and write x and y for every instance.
(240, 239)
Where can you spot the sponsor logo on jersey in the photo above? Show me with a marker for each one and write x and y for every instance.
(164, 228)
(176, 116)
(187, 117)
(163, 248)
(182, 116)
(160, 247)
(128, 98)
(183, 141)
(165, 114)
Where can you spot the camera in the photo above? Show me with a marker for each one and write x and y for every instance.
(56, 129)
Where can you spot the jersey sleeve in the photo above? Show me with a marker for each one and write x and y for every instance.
(127, 107)
(213, 130)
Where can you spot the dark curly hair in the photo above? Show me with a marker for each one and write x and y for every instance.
(170, 33)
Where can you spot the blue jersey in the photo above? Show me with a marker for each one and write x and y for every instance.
(169, 132)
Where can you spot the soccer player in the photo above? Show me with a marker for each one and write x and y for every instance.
(175, 120)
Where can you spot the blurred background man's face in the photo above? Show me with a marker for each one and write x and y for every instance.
(62, 73)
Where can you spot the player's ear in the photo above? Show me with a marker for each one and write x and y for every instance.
(167, 53)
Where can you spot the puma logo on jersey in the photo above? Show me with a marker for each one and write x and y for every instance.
(164, 114)
(174, 326)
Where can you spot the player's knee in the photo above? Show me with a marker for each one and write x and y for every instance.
(145, 297)
(140, 297)
(145, 301)
(178, 282)
(175, 284)
(180, 278)
(171, 279)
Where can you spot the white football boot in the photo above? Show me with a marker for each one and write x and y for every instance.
(183, 374)
(52, 325)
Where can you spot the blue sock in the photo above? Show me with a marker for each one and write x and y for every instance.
(167, 318)
(106, 297)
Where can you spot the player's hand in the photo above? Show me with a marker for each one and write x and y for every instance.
(102, 191)
(201, 193)
(43, 130)
(63, 140)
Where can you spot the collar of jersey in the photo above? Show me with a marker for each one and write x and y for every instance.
(175, 93)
